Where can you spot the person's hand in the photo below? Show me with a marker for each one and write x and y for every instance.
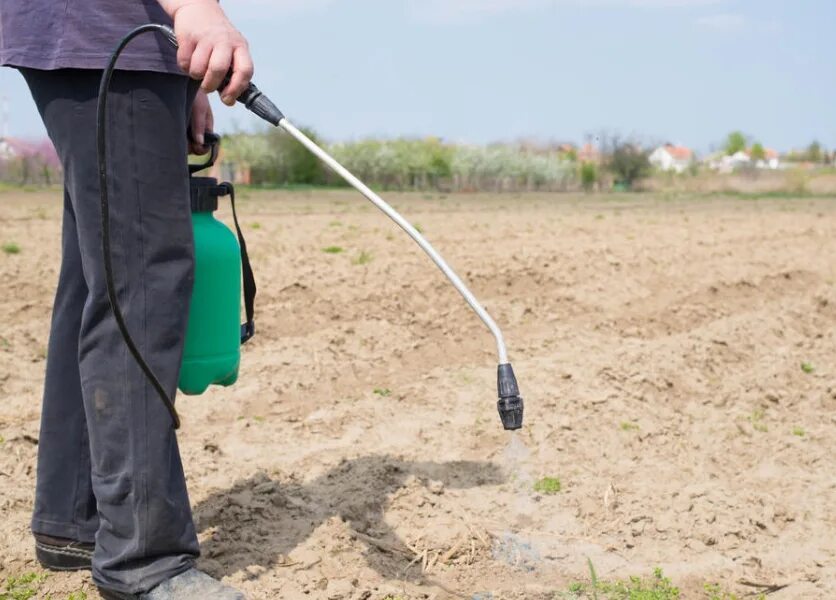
(202, 120)
(209, 46)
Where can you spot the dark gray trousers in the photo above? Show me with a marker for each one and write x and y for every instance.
(109, 468)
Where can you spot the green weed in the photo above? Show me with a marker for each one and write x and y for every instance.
(628, 426)
(808, 368)
(756, 419)
(657, 587)
(332, 250)
(77, 596)
(364, 258)
(23, 587)
(548, 486)
(383, 392)
(798, 431)
(11, 248)
(255, 225)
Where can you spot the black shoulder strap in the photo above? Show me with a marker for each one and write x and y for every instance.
(248, 328)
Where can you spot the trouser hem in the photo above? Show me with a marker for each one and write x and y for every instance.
(69, 531)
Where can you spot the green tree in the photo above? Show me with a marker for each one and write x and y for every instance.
(628, 163)
(589, 176)
(292, 163)
(735, 142)
(814, 152)
(758, 152)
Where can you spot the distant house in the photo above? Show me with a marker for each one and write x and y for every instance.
(672, 158)
(724, 163)
(771, 161)
(7, 149)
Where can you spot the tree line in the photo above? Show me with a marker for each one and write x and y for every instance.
(274, 158)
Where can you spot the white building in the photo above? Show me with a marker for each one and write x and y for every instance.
(7, 151)
(672, 158)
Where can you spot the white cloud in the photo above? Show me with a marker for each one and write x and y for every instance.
(722, 22)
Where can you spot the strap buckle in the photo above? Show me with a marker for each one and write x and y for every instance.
(247, 332)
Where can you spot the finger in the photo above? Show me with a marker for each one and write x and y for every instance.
(185, 49)
(197, 149)
(210, 118)
(242, 74)
(198, 126)
(200, 61)
(218, 68)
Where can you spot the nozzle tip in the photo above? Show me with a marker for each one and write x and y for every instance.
(510, 405)
(511, 413)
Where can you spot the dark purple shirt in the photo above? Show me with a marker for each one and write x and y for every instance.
(56, 34)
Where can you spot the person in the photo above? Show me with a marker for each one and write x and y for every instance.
(111, 493)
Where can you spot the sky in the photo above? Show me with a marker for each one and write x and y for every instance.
(477, 71)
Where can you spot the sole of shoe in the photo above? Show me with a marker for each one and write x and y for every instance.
(63, 558)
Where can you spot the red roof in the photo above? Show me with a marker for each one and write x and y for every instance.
(679, 152)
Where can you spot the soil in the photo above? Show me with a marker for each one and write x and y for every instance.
(658, 341)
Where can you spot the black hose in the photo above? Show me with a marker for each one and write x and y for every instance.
(101, 150)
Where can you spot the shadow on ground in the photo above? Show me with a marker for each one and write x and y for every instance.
(260, 520)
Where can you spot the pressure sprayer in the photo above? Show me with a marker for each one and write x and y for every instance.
(510, 403)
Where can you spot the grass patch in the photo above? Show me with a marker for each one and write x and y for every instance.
(548, 486)
(11, 248)
(628, 426)
(255, 225)
(77, 596)
(808, 368)
(799, 431)
(363, 258)
(656, 587)
(332, 250)
(23, 587)
(757, 420)
(383, 392)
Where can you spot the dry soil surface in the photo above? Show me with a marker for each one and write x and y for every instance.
(659, 344)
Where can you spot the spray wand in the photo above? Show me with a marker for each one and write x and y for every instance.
(510, 403)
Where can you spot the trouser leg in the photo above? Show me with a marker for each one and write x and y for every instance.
(64, 502)
(146, 533)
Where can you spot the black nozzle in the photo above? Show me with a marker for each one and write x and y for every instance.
(510, 402)
(260, 105)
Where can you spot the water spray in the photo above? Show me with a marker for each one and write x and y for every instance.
(510, 402)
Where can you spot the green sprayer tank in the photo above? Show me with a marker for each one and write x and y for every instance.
(213, 340)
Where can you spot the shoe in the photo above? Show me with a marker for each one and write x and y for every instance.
(186, 586)
(59, 554)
